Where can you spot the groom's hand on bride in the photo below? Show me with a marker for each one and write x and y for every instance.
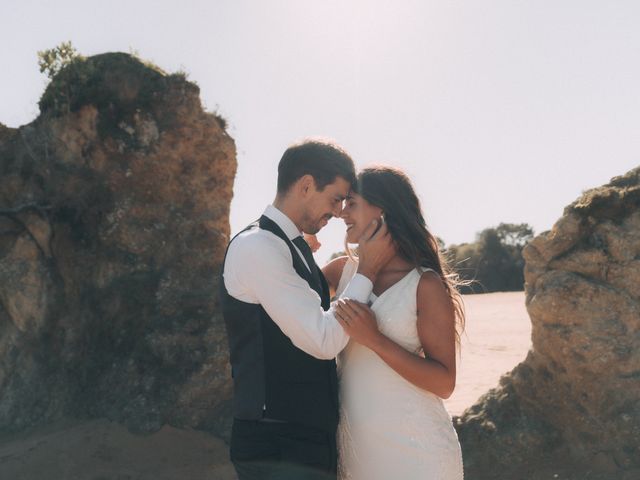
(375, 249)
(358, 321)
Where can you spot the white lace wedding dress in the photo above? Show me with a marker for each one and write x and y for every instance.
(390, 429)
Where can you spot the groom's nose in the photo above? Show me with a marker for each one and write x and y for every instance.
(337, 212)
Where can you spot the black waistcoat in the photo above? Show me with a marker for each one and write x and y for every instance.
(268, 370)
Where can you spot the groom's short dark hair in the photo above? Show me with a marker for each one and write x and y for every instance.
(322, 159)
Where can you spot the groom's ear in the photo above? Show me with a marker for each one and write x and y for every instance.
(306, 185)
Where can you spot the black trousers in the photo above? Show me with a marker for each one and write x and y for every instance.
(282, 451)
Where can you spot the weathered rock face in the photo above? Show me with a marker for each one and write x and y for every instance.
(577, 395)
(114, 216)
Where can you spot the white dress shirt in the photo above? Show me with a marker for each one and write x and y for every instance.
(259, 269)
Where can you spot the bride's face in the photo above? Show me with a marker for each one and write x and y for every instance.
(358, 215)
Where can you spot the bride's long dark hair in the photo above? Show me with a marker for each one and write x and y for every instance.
(390, 189)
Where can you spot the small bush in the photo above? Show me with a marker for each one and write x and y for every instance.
(51, 61)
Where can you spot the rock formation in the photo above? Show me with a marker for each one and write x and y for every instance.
(114, 216)
(575, 400)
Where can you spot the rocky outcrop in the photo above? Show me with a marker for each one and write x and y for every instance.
(575, 400)
(114, 216)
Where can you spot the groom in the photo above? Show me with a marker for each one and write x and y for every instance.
(283, 336)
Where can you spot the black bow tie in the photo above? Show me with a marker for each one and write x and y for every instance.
(303, 246)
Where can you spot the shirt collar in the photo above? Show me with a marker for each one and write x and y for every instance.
(284, 222)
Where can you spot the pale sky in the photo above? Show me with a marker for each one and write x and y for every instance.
(500, 111)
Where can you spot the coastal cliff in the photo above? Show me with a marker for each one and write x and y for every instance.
(574, 403)
(114, 216)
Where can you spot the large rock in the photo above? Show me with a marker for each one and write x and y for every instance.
(575, 401)
(114, 216)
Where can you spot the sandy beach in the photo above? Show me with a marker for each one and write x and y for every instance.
(497, 338)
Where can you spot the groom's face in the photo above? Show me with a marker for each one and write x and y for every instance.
(323, 204)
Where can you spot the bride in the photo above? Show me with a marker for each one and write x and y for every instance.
(401, 360)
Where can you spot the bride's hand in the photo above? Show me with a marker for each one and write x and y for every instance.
(358, 321)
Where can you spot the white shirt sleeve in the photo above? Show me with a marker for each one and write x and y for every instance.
(259, 269)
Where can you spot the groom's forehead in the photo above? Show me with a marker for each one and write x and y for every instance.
(340, 187)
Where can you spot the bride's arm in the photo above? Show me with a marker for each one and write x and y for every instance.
(436, 372)
(332, 271)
